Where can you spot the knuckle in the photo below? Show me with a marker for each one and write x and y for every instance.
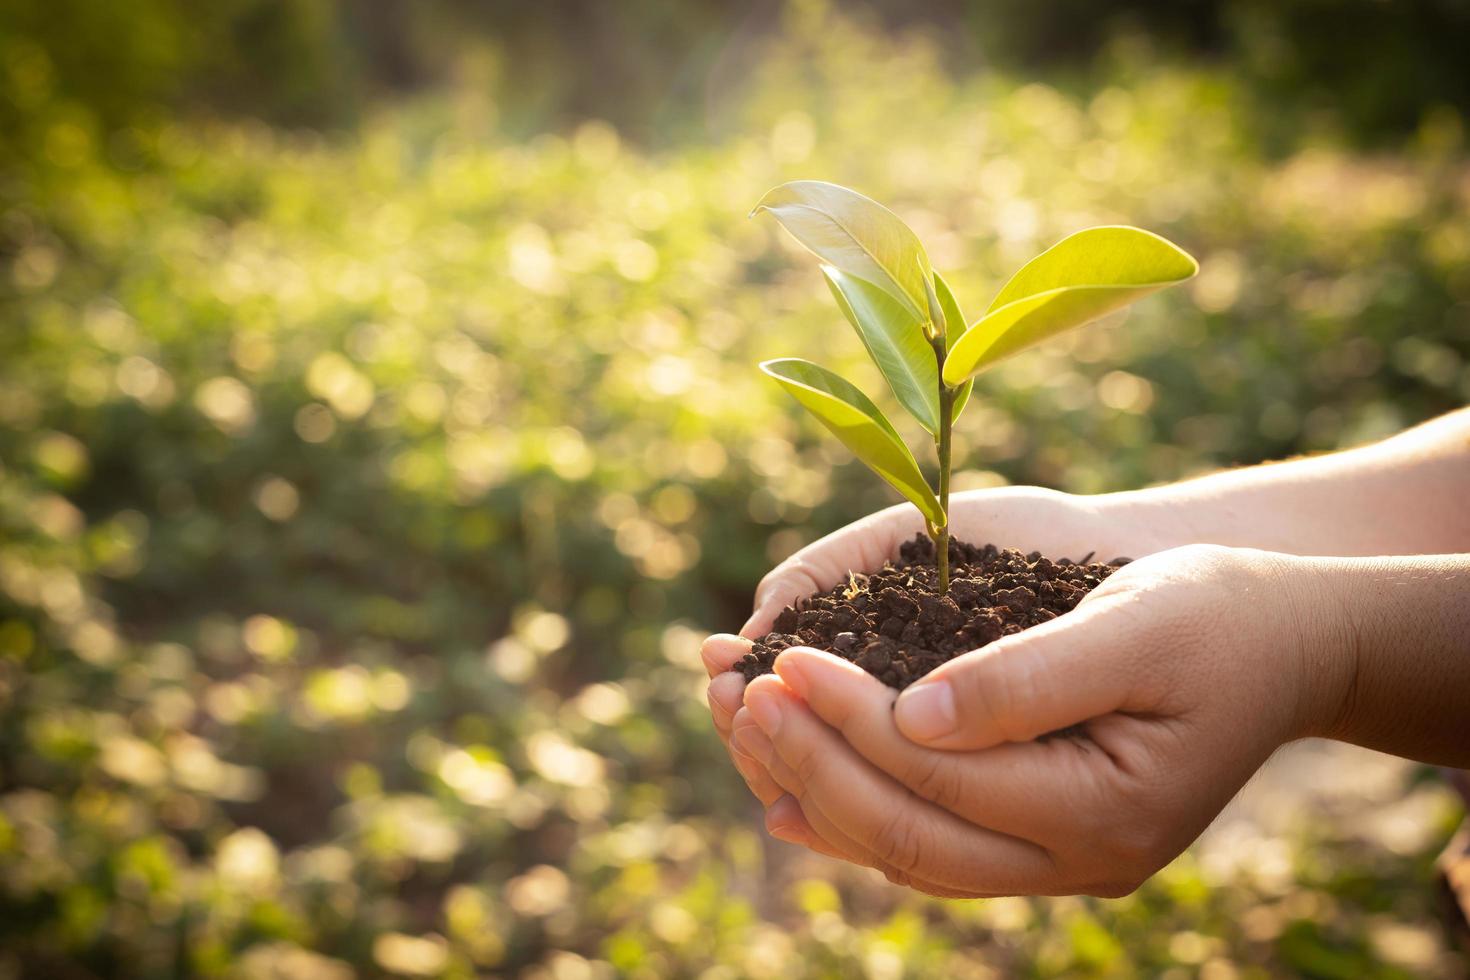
(896, 877)
(933, 778)
(903, 879)
(1000, 692)
(806, 764)
(900, 842)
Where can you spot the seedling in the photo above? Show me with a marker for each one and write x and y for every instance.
(911, 324)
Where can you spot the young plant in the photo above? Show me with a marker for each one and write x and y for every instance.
(911, 324)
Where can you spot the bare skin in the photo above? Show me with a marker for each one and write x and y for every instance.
(1233, 634)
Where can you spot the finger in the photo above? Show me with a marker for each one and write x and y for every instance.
(822, 837)
(769, 791)
(754, 744)
(861, 546)
(829, 840)
(721, 651)
(725, 694)
(1075, 668)
(786, 822)
(755, 774)
(1029, 790)
(910, 834)
(850, 849)
(854, 853)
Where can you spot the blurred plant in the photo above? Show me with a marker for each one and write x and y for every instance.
(911, 324)
(357, 527)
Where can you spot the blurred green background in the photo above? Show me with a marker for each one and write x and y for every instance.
(380, 433)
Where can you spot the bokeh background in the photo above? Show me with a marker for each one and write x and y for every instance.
(380, 433)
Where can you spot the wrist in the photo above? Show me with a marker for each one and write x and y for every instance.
(1318, 628)
(1164, 518)
(1385, 656)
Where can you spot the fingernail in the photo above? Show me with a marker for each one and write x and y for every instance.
(788, 834)
(753, 743)
(763, 708)
(926, 711)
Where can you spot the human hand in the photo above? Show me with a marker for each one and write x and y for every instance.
(1028, 517)
(1187, 669)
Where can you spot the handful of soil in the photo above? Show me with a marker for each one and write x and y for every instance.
(895, 625)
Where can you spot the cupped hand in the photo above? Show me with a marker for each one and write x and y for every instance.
(1029, 518)
(1185, 671)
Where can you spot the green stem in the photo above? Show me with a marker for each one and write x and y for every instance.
(942, 444)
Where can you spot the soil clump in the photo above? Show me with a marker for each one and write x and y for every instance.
(894, 624)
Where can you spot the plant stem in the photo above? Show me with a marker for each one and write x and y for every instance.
(942, 444)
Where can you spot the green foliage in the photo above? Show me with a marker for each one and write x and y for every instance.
(363, 499)
(895, 341)
(929, 362)
(955, 326)
(861, 238)
(1367, 71)
(853, 418)
(1082, 277)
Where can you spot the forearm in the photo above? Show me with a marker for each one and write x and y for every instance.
(1385, 646)
(1409, 494)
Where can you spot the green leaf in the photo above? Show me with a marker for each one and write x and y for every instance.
(894, 340)
(954, 329)
(1077, 280)
(857, 235)
(853, 418)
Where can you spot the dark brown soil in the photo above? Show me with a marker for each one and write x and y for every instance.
(894, 624)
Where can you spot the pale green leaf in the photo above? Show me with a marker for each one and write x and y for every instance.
(853, 418)
(857, 235)
(1077, 280)
(954, 329)
(894, 340)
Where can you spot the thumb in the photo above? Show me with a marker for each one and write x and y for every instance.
(1076, 667)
